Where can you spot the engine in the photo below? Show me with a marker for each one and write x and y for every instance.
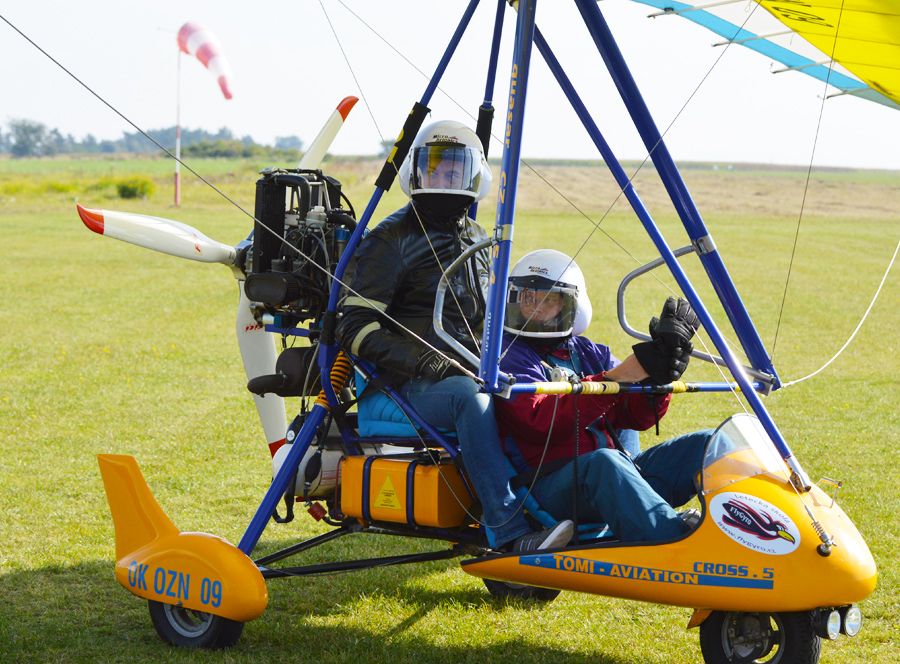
(299, 236)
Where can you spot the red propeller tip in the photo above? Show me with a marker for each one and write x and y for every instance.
(91, 218)
(346, 105)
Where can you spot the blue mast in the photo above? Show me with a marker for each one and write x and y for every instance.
(506, 196)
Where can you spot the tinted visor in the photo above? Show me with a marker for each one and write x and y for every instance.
(538, 308)
(446, 168)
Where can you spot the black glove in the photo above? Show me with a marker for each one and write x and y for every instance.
(666, 357)
(664, 364)
(676, 324)
(432, 364)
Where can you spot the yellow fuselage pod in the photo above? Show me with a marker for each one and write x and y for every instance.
(755, 550)
(156, 561)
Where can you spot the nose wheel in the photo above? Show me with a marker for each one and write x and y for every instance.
(193, 629)
(759, 638)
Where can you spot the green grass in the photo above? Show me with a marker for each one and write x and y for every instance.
(107, 347)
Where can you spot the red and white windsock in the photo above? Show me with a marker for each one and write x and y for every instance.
(194, 39)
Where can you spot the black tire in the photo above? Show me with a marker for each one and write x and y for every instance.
(766, 638)
(188, 628)
(506, 590)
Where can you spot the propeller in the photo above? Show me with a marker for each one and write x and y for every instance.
(163, 235)
(177, 239)
(313, 157)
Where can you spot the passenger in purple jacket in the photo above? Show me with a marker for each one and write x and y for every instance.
(547, 307)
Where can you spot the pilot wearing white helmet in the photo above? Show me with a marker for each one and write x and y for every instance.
(387, 317)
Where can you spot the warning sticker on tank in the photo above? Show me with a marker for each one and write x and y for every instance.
(387, 496)
(755, 523)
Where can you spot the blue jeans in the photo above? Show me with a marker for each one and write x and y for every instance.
(456, 403)
(611, 490)
(630, 440)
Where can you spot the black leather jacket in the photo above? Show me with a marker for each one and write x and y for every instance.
(397, 273)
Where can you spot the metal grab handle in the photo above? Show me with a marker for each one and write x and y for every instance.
(630, 331)
(438, 314)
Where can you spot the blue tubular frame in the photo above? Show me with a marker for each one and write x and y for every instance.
(718, 275)
(328, 350)
(526, 36)
(606, 152)
(681, 198)
(279, 484)
(495, 54)
(491, 75)
(506, 197)
(531, 388)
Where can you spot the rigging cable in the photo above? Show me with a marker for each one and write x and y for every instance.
(116, 111)
(223, 195)
(499, 141)
(596, 224)
(812, 158)
(521, 505)
(865, 315)
(639, 168)
(251, 216)
(800, 219)
(397, 172)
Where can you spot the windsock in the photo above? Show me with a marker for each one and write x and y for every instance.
(194, 39)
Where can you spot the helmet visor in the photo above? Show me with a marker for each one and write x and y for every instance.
(538, 308)
(446, 168)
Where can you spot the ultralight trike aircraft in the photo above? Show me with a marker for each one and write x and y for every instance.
(772, 568)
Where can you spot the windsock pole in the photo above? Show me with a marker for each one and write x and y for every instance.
(178, 134)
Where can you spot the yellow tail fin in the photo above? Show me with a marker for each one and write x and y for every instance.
(137, 517)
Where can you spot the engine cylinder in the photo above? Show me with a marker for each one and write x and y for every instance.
(325, 481)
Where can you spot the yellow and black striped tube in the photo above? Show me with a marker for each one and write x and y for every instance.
(340, 372)
(605, 387)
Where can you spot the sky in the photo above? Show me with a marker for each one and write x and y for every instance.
(293, 62)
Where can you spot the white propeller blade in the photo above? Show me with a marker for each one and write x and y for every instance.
(259, 356)
(163, 235)
(257, 346)
(319, 147)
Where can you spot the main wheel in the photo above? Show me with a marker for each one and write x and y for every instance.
(193, 629)
(506, 590)
(751, 638)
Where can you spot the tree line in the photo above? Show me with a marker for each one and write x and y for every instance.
(27, 138)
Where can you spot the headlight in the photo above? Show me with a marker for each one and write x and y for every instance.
(851, 620)
(833, 625)
(827, 623)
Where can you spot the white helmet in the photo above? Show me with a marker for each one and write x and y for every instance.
(547, 296)
(446, 158)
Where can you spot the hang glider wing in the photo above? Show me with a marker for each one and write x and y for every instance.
(862, 35)
(865, 53)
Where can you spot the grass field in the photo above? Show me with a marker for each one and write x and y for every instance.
(107, 347)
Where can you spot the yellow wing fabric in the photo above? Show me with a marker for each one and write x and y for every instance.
(861, 35)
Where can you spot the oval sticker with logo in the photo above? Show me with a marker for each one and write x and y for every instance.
(754, 523)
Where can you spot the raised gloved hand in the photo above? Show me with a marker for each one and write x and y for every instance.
(676, 324)
(666, 357)
(432, 364)
(664, 364)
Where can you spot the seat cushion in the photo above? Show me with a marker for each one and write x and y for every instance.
(380, 416)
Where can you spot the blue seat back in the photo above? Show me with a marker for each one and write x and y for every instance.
(380, 416)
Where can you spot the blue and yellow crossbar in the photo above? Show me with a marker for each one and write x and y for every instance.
(607, 387)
